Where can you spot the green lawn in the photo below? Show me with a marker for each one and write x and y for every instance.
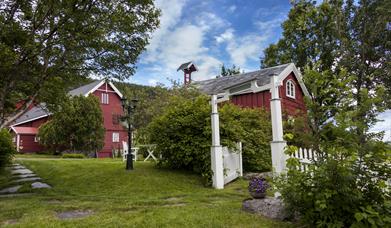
(144, 197)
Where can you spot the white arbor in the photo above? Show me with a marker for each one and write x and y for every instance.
(277, 145)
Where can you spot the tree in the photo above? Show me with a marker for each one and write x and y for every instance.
(77, 126)
(41, 40)
(343, 51)
(341, 36)
(229, 71)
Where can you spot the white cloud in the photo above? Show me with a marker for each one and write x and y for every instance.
(232, 9)
(269, 25)
(152, 82)
(249, 47)
(171, 11)
(245, 48)
(226, 36)
(179, 41)
(210, 21)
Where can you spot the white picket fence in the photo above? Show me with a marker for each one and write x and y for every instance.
(305, 156)
(232, 163)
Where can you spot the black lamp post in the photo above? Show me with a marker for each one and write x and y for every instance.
(129, 108)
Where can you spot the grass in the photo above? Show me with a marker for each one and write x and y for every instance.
(144, 197)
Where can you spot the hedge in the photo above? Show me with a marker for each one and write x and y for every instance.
(183, 135)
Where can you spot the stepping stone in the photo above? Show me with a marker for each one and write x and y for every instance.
(10, 190)
(73, 214)
(21, 171)
(26, 175)
(27, 179)
(40, 185)
(15, 167)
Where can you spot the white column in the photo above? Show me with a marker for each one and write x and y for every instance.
(278, 144)
(216, 149)
(17, 142)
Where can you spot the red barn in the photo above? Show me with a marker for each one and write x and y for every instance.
(25, 128)
(252, 89)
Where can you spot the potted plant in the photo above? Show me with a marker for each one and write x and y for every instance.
(257, 187)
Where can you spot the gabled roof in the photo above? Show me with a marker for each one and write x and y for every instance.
(37, 112)
(83, 90)
(25, 130)
(40, 111)
(219, 85)
(187, 65)
(260, 80)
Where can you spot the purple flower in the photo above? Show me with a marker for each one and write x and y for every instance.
(258, 185)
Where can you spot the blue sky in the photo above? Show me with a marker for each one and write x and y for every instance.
(211, 33)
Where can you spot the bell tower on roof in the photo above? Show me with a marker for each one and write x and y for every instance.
(187, 69)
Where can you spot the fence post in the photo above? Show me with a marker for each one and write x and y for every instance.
(216, 149)
(239, 145)
(278, 144)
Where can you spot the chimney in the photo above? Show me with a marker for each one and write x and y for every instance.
(187, 69)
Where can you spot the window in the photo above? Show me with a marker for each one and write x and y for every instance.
(115, 137)
(105, 98)
(14, 139)
(290, 89)
(36, 139)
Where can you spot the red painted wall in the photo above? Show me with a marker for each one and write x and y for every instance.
(113, 108)
(289, 105)
(27, 144)
(110, 110)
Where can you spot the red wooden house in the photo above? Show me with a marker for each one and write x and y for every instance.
(252, 89)
(25, 128)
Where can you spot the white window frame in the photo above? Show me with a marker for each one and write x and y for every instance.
(115, 137)
(36, 139)
(290, 89)
(105, 98)
(14, 139)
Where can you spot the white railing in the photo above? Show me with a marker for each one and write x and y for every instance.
(232, 163)
(305, 156)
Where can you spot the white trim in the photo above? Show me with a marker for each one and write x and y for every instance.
(116, 138)
(290, 89)
(285, 73)
(108, 91)
(104, 98)
(255, 88)
(17, 142)
(100, 84)
(115, 89)
(95, 88)
(29, 120)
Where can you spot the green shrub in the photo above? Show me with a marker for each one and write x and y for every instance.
(7, 148)
(183, 135)
(81, 156)
(338, 190)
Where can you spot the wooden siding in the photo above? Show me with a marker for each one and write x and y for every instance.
(261, 99)
(111, 112)
(27, 144)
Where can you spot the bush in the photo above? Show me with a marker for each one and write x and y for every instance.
(7, 148)
(183, 135)
(338, 190)
(81, 156)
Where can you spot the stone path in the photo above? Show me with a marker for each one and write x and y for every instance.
(21, 175)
